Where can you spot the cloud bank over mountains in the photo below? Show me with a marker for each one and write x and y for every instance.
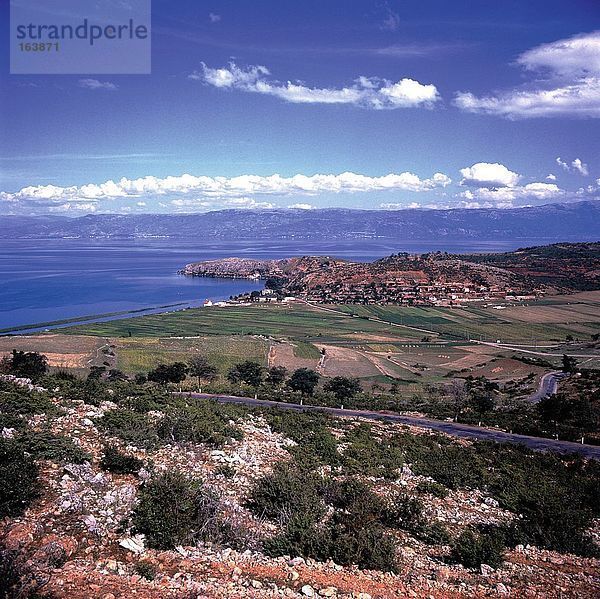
(483, 184)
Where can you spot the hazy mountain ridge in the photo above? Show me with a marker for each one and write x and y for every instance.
(554, 222)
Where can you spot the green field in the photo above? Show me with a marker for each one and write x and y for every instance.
(295, 322)
(143, 354)
(308, 324)
(484, 324)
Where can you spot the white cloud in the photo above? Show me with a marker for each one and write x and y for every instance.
(141, 204)
(214, 18)
(551, 177)
(569, 83)
(494, 185)
(366, 92)
(505, 196)
(576, 165)
(302, 206)
(234, 188)
(399, 206)
(486, 174)
(578, 56)
(95, 84)
(580, 167)
(73, 207)
(245, 202)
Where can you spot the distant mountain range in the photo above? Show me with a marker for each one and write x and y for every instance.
(553, 222)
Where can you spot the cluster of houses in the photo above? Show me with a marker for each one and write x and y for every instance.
(430, 294)
(393, 293)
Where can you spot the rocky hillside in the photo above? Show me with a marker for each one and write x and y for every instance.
(564, 267)
(301, 276)
(118, 490)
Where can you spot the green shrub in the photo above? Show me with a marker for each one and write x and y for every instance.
(315, 443)
(23, 403)
(405, 513)
(473, 548)
(130, 426)
(166, 511)
(119, 463)
(225, 470)
(368, 456)
(287, 491)
(197, 424)
(453, 466)
(432, 488)
(302, 536)
(354, 534)
(316, 449)
(370, 547)
(146, 570)
(434, 534)
(19, 484)
(44, 445)
(174, 510)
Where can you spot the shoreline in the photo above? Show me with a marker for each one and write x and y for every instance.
(43, 327)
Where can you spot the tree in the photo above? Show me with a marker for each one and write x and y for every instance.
(277, 375)
(31, 365)
(555, 408)
(482, 402)
(569, 364)
(96, 372)
(248, 372)
(200, 367)
(168, 373)
(458, 394)
(343, 387)
(114, 374)
(304, 380)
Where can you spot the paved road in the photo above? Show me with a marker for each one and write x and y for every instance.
(548, 386)
(452, 428)
(519, 348)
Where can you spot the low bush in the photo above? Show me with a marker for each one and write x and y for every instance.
(44, 445)
(146, 570)
(130, 426)
(340, 520)
(472, 548)
(286, 492)
(198, 424)
(315, 443)
(19, 484)
(368, 456)
(174, 510)
(18, 580)
(432, 488)
(119, 463)
(22, 403)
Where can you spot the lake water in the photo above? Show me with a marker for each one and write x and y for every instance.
(47, 280)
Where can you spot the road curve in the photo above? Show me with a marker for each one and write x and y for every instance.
(548, 386)
(451, 428)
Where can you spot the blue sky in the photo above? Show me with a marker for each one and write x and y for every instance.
(360, 104)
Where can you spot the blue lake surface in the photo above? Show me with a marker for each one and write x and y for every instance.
(46, 280)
